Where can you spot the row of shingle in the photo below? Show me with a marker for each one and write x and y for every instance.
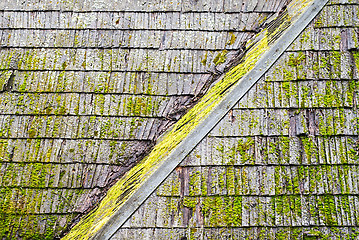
(164, 20)
(326, 39)
(310, 39)
(24, 201)
(66, 151)
(300, 94)
(274, 151)
(270, 233)
(55, 176)
(262, 180)
(323, 39)
(314, 65)
(78, 127)
(343, 2)
(161, 40)
(132, 20)
(330, 35)
(185, 61)
(275, 211)
(30, 225)
(147, 6)
(339, 14)
(103, 82)
(84, 104)
(271, 122)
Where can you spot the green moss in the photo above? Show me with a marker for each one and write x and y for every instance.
(230, 173)
(204, 60)
(244, 149)
(222, 181)
(60, 105)
(237, 211)
(319, 21)
(142, 106)
(220, 57)
(32, 132)
(195, 184)
(209, 211)
(204, 188)
(356, 59)
(18, 205)
(296, 61)
(232, 39)
(222, 210)
(190, 202)
(335, 57)
(310, 149)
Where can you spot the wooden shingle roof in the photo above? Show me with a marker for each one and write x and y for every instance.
(202, 199)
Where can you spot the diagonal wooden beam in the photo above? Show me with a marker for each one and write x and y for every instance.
(125, 197)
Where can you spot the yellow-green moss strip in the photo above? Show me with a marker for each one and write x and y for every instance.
(90, 226)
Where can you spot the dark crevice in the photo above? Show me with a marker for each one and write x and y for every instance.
(10, 81)
(8, 86)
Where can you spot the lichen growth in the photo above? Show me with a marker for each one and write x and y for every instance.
(204, 60)
(220, 57)
(232, 39)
